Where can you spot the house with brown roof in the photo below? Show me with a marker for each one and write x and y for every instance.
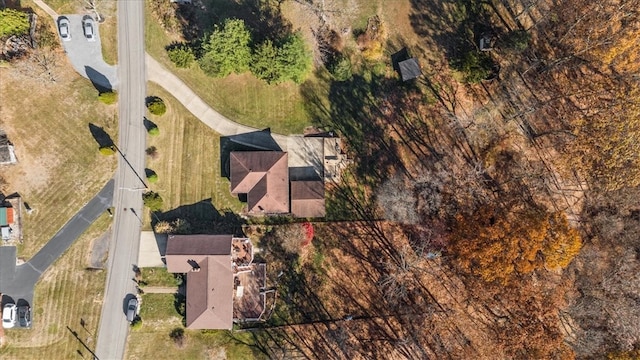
(264, 177)
(307, 198)
(212, 264)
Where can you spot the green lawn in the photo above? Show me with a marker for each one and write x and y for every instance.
(159, 317)
(67, 295)
(188, 159)
(241, 98)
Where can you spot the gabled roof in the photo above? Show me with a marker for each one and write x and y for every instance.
(307, 198)
(206, 259)
(409, 69)
(264, 177)
(184, 251)
(210, 295)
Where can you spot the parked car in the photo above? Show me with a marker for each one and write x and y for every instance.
(24, 316)
(132, 309)
(63, 27)
(87, 26)
(9, 316)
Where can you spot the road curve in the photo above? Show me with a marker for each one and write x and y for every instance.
(124, 247)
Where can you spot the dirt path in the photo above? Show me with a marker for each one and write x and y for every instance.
(159, 289)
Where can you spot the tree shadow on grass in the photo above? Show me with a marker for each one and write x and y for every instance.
(204, 218)
(148, 124)
(102, 138)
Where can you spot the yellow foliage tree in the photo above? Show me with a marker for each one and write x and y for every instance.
(562, 244)
(607, 141)
(498, 245)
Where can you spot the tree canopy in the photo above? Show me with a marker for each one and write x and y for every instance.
(498, 245)
(277, 64)
(13, 22)
(227, 49)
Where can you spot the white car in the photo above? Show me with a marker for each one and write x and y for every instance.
(87, 26)
(63, 26)
(9, 316)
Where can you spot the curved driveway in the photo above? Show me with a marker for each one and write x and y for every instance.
(192, 102)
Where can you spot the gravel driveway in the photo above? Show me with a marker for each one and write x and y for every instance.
(86, 56)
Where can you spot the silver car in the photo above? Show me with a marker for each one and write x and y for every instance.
(132, 309)
(63, 27)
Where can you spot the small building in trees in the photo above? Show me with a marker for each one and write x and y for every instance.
(406, 66)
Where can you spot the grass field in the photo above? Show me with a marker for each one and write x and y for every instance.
(67, 294)
(241, 98)
(59, 167)
(188, 159)
(109, 31)
(159, 317)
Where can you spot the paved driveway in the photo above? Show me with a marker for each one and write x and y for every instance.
(17, 282)
(86, 56)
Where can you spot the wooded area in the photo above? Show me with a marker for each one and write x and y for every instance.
(510, 206)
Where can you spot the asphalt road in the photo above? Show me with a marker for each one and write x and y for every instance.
(123, 251)
(18, 282)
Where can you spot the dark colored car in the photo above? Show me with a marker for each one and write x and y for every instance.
(24, 316)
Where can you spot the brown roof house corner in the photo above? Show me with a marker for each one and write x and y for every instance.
(206, 259)
(264, 177)
(307, 199)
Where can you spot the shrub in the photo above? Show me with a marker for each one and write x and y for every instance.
(108, 97)
(371, 41)
(152, 151)
(181, 55)
(136, 323)
(178, 337)
(156, 105)
(227, 49)
(163, 227)
(107, 150)
(152, 178)
(13, 22)
(340, 68)
(152, 200)
(154, 131)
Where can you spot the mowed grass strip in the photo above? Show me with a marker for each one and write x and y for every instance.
(188, 158)
(109, 30)
(66, 294)
(59, 166)
(241, 98)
